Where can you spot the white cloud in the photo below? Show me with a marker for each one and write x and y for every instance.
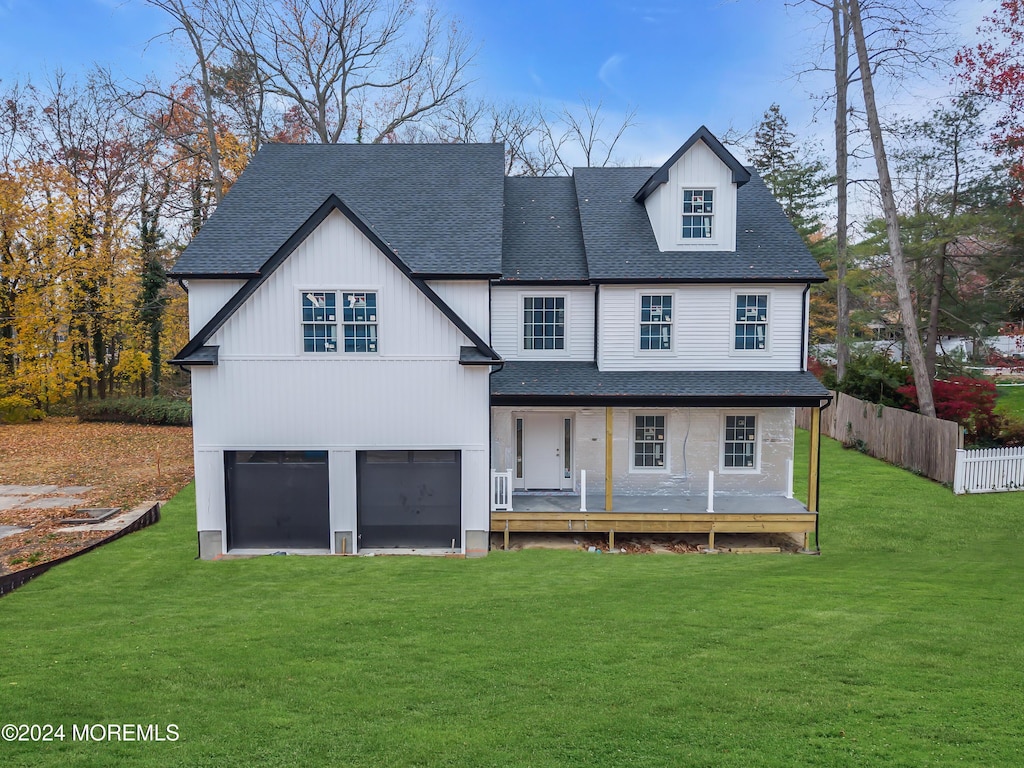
(610, 71)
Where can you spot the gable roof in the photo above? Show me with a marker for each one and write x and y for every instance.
(621, 247)
(740, 175)
(196, 353)
(437, 206)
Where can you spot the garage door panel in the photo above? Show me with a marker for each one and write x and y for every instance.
(278, 500)
(409, 499)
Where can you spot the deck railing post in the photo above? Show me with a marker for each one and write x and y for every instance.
(583, 490)
(789, 478)
(711, 491)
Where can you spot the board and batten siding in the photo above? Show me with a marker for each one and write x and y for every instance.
(699, 168)
(507, 322)
(702, 328)
(267, 394)
(336, 256)
(470, 299)
(205, 298)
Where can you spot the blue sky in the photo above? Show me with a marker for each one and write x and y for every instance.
(680, 64)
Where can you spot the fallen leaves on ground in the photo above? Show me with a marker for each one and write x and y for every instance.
(125, 464)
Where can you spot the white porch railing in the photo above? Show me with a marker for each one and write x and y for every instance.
(986, 470)
(501, 491)
(583, 490)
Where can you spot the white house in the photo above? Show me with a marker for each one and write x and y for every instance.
(398, 348)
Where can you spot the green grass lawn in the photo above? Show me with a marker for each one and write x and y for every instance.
(1011, 401)
(902, 645)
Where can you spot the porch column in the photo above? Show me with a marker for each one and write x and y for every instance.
(815, 460)
(608, 459)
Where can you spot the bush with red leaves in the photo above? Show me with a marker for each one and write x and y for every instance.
(969, 402)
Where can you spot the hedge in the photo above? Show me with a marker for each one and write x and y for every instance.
(138, 410)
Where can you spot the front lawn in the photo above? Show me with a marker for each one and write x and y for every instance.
(899, 646)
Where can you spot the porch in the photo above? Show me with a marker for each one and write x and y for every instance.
(676, 514)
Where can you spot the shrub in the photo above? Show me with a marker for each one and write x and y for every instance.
(871, 376)
(138, 410)
(969, 402)
(17, 409)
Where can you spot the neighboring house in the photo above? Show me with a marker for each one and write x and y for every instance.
(396, 347)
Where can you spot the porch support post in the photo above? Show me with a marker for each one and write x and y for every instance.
(608, 459)
(815, 460)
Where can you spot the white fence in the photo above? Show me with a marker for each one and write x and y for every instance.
(989, 469)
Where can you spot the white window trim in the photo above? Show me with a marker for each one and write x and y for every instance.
(752, 291)
(632, 444)
(524, 353)
(340, 351)
(638, 308)
(759, 419)
(715, 238)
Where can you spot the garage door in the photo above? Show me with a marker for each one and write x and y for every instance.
(409, 499)
(277, 499)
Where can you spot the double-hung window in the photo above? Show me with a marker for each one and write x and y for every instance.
(698, 214)
(320, 321)
(543, 322)
(740, 444)
(751, 328)
(359, 315)
(655, 322)
(649, 442)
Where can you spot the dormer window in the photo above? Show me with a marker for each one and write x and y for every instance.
(698, 214)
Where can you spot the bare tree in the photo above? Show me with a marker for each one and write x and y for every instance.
(196, 20)
(571, 135)
(358, 68)
(841, 50)
(899, 267)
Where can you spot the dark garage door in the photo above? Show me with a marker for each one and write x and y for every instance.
(277, 499)
(409, 498)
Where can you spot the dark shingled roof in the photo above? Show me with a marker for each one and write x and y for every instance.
(541, 238)
(438, 206)
(621, 245)
(558, 382)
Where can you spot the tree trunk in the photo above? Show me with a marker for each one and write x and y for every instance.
(899, 267)
(841, 48)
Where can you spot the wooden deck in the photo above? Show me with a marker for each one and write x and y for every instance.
(655, 514)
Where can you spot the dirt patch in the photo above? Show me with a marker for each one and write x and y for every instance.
(123, 465)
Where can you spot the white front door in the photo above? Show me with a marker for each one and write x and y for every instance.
(543, 451)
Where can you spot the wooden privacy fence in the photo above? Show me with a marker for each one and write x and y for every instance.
(906, 439)
(989, 469)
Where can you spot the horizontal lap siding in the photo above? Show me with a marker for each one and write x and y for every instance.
(703, 328)
(507, 322)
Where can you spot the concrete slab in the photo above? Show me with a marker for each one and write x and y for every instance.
(73, 490)
(115, 523)
(10, 530)
(51, 502)
(10, 502)
(27, 490)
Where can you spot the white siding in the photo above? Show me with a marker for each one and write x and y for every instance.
(205, 298)
(337, 256)
(699, 168)
(507, 322)
(267, 394)
(703, 327)
(470, 299)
